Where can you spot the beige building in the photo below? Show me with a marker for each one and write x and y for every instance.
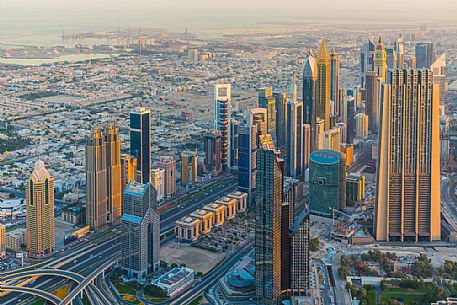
(40, 213)
(128, 169)
(187, 229)
(332, 139)
(241, 200)
(168, 163)
(158, 182)
(113, 172)
(218, 213)
(96, 181)
(2, 241)
(15, 239)
(189, 168)
(206, 220)
(408, 177)
(361, 123)
(320, 132)
(230, 206)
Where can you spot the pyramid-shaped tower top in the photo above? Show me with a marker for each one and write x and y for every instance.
(323, 51)
(310, 65)
(40, 173)
(380, 45)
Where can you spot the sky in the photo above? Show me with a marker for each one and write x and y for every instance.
(173, 14)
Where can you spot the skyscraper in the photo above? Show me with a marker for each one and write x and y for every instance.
(141, 231)
(2, 241)
(40, 213)
(400, 51)
(366, 60)
(439, 77)
(281, 118)
(335, 81)
(380, 60)
(158, 182)
(168, 163)
(213, 152)
(323, 85)
(189, 168)
(332, 139)
(269, 197)
(222, 109)
(97, 209)
(425, 54)
(327, 181)
(140, 142)
(408, 184)
(267, 101)
(299, 256)
(306, 145)
(295, 144)
(391, 58)
(361, 126)
(247, 136)
(128, 169)
(371, 100)
(309, 95)
(113, 172)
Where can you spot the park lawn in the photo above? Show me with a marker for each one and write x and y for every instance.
(154, 299)
(371, 297)
(427, 287)
(38, 302)
(407, 299)
(124, 288)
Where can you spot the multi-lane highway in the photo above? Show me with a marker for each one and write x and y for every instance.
(84, 259)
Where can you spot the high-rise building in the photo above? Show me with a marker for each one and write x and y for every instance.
(293, 88)
(332, 139)
(309, 95)
(295, 144)
(281, 118)
(348, 117)
(287, 215)
(267, 101)
(222, 110)
(247, 136)
(158, 182)
(299, 256)
(213, 152)
(391, 58)
(2, 241)
(439, 77)
(306, 145)
(40, 212)
(361, 126)
(366, 59)
(323, 85)
(320, 134)
(327, 182)
(371, 100)
(141, 231)
(234, 122)
(380, 60)
(425, 54)
(128, 169)
(113, 173)
(259, 118)
(189, 168)
(335, 81)
(168, 163)
(408, 182)
(400, 51)
(269, 197)
(140, 142)
(97, 210)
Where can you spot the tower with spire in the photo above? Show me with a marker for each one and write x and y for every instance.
(309, 94)
(380, 63)
(323, 84)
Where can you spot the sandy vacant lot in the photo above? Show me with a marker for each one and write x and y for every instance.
(197, 259)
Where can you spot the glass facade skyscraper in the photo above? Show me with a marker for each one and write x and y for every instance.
(140, 142)
(327, 182)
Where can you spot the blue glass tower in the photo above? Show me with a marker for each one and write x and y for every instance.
(140, 142)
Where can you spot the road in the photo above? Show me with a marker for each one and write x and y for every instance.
(93, 256)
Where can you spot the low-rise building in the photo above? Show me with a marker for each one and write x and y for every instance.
(242, 200)
(175, 280)
(206, 220)
(230, 206)
(218, 213)
(187, 229)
